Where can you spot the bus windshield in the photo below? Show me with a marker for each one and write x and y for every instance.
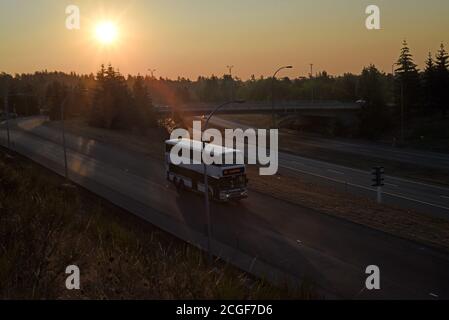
(233, 182)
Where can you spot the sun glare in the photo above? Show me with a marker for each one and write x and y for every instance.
(106, 32)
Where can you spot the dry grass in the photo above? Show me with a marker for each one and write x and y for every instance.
(396, 221)
(45, 227)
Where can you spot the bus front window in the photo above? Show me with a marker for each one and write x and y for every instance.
(233, 182)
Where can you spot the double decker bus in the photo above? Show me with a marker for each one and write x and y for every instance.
(226, 182)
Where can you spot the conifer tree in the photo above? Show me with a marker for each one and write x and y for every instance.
(407, 80)
(442, 80)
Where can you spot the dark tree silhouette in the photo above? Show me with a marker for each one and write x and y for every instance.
(143, 113)
(442, 80)
(429, 82)
(374, 117)
(54, 98)
(407, 80)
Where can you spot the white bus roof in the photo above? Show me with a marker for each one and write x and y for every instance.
(197, 146)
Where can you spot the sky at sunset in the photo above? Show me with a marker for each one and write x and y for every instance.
(200, 37)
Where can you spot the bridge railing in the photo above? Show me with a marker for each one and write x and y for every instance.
(288, 106)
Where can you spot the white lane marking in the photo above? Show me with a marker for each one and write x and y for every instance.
(433, 295)
(318, 164)
(367, 188)
(444, 197)
(418, 201)
(335, 171)
(313, 174)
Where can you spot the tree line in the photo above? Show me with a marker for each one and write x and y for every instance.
(108, 99)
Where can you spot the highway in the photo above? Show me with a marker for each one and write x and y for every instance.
(417, 157)
(423, 197)
(295, 240)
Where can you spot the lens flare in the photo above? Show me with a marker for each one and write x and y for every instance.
(106, 32)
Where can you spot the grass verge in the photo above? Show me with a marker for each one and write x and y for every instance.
(46, 226)
(406, 224)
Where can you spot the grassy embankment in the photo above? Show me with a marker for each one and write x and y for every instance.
(45, 226)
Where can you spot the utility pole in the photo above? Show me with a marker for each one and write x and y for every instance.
(311, 77)
(402, 110)
(66, 171)
(232, 82)
(230, 70)
(152, 71)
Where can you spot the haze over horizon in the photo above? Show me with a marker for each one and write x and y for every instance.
(200, 37)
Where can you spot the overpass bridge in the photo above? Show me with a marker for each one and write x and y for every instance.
(307, 108)
(345, 113)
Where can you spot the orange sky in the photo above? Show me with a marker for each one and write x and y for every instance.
(200, 37)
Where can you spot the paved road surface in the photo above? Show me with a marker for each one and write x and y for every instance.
(417, 157)
(297, 240)
(406, 193)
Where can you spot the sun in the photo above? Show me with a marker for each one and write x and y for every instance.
(106, 32)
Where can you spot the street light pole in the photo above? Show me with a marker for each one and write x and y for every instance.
(232, 80)
(206, 183)
(64, 145)
(7, 120)
(402, 110)
(273, 124)
(402, 101)
(66, 171)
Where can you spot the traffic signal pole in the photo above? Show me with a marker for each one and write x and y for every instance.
(379, 194)
(378, 179)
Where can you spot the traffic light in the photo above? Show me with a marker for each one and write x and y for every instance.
(378, 179)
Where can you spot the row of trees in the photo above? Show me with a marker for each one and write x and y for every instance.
(423, 90)
(415, 93)
(106, 100)
(116, 106)
(110, 100)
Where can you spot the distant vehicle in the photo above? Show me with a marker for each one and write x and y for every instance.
(226, 182)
